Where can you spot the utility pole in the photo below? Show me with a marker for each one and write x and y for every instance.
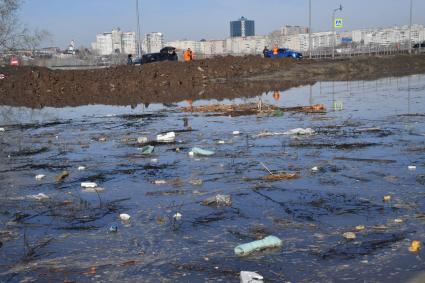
(333, 30)
(410, 27)
(139, 52)
(309, 30)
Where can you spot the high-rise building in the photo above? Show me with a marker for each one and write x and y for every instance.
(293, 30)
(246, 45)
(389, 36)
(213, 47)
(128, 41)
(153, 42)
(104, 43)
(242, 28)
(116, 41)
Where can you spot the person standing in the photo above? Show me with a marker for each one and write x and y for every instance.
(275, 50)
(130, 59)
(265, 52)
(188, 55)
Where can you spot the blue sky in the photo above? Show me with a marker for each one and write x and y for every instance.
(81, 20)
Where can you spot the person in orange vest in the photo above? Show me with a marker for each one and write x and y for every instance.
(275, 50)
(188, 55)
(276, 95)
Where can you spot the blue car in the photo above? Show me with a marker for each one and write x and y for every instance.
(284, 53)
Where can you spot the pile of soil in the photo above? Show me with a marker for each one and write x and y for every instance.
(169, 82)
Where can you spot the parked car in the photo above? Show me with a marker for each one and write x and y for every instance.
(419, 45)
(137, 61)
(284, 53)
(165, 54)
(3, 76)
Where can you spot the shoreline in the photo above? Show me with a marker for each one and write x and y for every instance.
(170, 82)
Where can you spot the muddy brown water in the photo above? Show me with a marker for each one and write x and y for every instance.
(365, 141)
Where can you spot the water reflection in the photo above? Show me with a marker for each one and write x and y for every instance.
(408, 94)
(366, 97)
(276, 96)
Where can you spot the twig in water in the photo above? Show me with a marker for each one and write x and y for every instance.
(266, 168)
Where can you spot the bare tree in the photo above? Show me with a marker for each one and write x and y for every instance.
(13, 34)
(8, 23)
(275, 38)
(32, 39)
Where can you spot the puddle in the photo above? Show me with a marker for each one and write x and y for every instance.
(360, 152)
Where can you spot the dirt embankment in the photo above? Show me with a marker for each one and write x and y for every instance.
(168, 82)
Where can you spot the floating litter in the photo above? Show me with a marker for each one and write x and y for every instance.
(415, 246)
(360, 227)
(142, 140)
(40, 177)
(387, 198)
(40, 196)
(202, 152)
(168, 137)
(177, 216)
(125, 217)
(88, 185)
(349, 235)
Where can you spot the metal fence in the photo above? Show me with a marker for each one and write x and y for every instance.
(340, 52)
(376, 50)
(69, 62)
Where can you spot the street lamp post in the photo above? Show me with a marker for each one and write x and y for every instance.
(309, 30)
(333, 30)
(410, 27)
(139, 53)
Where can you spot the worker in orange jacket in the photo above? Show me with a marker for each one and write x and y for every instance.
(188, 55)
(275, 50)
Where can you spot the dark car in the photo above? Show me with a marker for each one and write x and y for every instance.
(419, 45)
(284, 53)
(166, 54)
(3, 75)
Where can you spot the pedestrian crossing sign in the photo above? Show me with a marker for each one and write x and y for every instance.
(338, 23)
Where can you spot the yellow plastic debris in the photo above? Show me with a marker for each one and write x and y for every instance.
(360, 227)
(387, 198)
(415, 246)
(349, 235)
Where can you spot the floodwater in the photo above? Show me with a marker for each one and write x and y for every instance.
(362, 147)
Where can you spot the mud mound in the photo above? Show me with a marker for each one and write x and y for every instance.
(167, 82)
